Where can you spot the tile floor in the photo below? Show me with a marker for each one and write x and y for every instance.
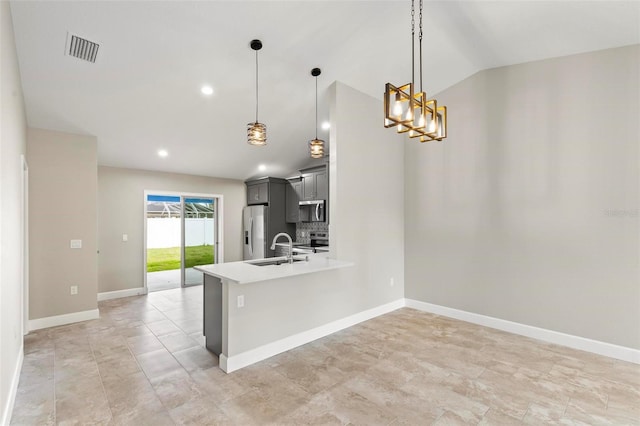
(142, 363)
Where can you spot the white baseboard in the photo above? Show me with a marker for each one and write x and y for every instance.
(13, 390)
(222, 363)
(107, 295)
(235, 362)
(576, 342)
(56, 320)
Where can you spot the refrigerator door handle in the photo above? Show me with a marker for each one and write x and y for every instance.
(251, 237)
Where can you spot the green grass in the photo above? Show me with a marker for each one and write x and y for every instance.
(166, 259)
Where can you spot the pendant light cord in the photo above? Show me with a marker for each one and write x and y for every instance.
(420, 38)
(413, 36)
(256, 86)
(316, 107)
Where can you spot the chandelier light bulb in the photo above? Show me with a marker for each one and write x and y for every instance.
(432, 126)
(397, 109)
(409, 115)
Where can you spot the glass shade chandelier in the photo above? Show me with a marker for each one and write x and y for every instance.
(316, 146)
(256, 131)
(412, 112)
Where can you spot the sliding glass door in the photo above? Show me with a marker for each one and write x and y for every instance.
(199, 232)
(181, 232)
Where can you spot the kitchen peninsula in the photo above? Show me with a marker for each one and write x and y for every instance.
(252, 312)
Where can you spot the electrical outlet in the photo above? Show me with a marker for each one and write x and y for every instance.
(74, 289)
(392, 282)
(125, 237)
(75, 244)
(241, 301)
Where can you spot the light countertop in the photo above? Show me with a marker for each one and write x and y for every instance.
(243, 272)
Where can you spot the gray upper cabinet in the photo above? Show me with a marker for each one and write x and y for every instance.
(308, 186)
(257, 192)
(294, 192)
(322, 184)
(271, 192)
(315, 184)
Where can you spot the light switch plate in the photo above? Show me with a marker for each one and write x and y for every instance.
(76, 244)
(125, 237)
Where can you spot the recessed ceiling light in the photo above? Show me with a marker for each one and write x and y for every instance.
(262, 167)
(163, 153)
(326, 125)
(207, 90)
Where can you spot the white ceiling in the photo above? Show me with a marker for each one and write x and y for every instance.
(143, 93)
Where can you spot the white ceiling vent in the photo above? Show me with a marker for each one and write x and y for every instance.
(81, 48)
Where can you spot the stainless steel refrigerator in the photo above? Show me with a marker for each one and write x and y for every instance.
(254, 233)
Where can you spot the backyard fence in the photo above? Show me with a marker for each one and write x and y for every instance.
(165, 232)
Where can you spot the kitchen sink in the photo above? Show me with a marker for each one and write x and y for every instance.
(269, 262)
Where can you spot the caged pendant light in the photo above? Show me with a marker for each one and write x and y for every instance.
(256, 132)
(412, 112)
(316, 146)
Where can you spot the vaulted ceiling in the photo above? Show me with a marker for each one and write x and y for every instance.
(143, 92)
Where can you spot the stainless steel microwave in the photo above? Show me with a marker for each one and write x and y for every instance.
(312, 211)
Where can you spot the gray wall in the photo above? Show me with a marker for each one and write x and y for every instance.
(121, 211)
(12, 145)
(366, 179)
(63, 187)
(529, 210)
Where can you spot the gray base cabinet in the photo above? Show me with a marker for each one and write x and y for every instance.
(212, 313)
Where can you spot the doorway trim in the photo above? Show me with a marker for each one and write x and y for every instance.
(219, 224)
(24, 167)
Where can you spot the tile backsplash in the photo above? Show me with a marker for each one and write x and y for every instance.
(306, 227)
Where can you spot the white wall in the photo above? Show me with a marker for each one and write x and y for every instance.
(121, 211)
(12, 146)
(528, 212)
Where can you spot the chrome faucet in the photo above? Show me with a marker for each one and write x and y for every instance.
(273, 245)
